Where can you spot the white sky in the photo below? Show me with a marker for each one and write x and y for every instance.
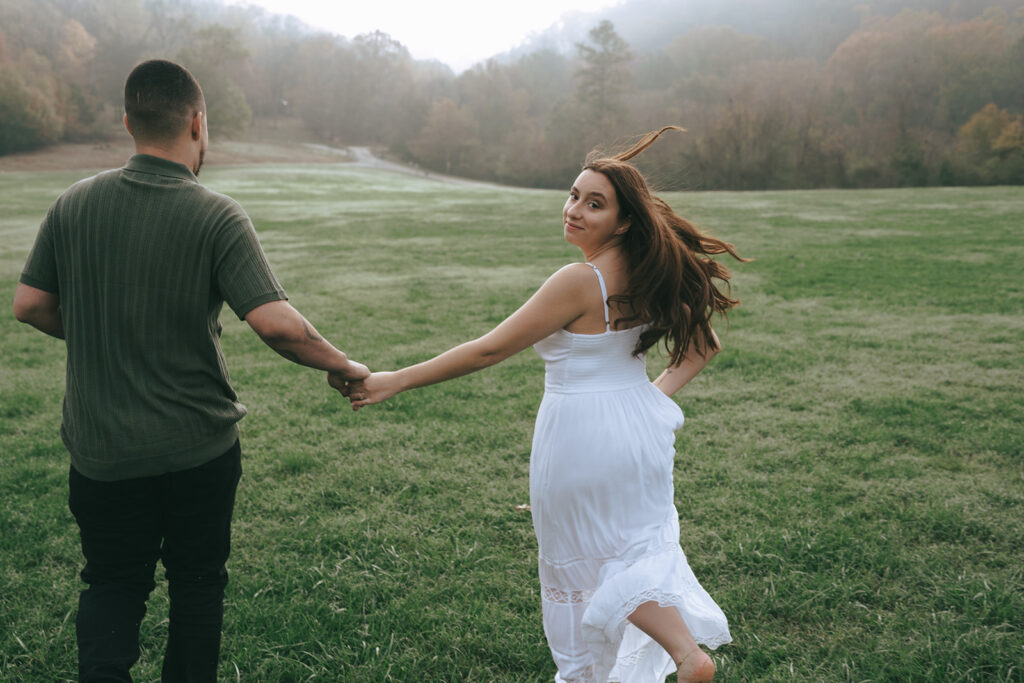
(459, 33)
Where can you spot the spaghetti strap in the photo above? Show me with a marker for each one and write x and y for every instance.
(604, 297)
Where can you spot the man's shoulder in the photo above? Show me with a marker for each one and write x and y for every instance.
(221, 207)
(83, 191)
(218, 198)
(90, 184)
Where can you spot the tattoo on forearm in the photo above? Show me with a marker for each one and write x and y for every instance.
(310, 332)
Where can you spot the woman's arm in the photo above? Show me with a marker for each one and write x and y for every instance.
(559, 301)
(675, 377)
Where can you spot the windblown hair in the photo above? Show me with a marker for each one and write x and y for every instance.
(160, 99)
(670, 273)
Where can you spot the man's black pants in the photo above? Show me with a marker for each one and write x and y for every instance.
(182, 518)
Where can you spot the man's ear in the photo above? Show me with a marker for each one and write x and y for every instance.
(126, 126)
(197, 125)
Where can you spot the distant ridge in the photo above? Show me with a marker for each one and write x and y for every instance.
(800, 28)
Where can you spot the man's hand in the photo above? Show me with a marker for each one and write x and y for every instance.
(346, 382)
(356, 372)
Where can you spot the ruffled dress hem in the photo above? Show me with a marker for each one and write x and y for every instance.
(620, 650)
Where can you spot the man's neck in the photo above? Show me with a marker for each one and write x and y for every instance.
(176, 153)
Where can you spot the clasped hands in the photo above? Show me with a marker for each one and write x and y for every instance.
(364, 388)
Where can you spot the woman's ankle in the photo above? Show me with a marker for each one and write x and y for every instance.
(696, 666)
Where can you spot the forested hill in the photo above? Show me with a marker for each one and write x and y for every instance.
(781, 94)
(798, 28)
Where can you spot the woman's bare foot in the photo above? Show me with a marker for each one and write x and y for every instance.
(696, 667)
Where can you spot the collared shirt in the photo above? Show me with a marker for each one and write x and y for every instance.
(142, 259)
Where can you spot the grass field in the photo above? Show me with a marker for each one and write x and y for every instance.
(850, 480)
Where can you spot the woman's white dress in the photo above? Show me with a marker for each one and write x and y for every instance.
(601, 494)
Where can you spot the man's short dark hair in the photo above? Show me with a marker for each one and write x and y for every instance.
(160, 99)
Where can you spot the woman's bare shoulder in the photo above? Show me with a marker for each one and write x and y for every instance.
(574, 271)
(571, 277)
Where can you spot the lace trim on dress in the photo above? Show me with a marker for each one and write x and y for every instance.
(634, 657)
(672, 600)
(557, 595)
(586, 676)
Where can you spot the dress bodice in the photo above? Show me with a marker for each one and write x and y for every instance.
(577, 363)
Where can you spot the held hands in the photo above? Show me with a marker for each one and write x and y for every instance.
(343, 381)
(378, 387)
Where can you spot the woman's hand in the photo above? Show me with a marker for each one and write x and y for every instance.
(378, 387)
(678, 376)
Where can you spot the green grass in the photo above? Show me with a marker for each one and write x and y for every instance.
(850, 481)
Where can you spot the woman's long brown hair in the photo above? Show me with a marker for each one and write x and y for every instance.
(670, 273)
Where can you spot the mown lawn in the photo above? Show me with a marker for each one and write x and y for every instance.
(850, 480)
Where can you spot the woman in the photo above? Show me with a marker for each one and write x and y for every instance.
(619, 600)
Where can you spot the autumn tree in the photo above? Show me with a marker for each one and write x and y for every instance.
(275, 77)
(214, 55)
(602, 77)
(990, 147)
(888, 77)
(28, 112)
(272, 71)
(384, 78)
(497, 99)
(449, 139)
(325, 96)
(121, 34)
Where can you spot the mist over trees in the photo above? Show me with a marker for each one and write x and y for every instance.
(787, 94)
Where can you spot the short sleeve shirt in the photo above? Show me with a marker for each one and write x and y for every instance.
(142, 259)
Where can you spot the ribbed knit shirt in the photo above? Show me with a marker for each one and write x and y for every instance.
(142, 259)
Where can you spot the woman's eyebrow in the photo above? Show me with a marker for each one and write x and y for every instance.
(592, 193)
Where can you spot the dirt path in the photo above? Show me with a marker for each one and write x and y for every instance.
(364, 156)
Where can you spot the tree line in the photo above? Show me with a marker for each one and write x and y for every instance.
(925, 96)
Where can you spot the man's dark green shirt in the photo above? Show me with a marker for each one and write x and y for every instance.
(142, 259)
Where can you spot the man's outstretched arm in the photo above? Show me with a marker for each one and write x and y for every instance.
(286, 331)
(40, 309)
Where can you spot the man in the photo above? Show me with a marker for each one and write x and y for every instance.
(131, 267)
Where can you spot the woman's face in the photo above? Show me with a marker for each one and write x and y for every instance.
(590, 217)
